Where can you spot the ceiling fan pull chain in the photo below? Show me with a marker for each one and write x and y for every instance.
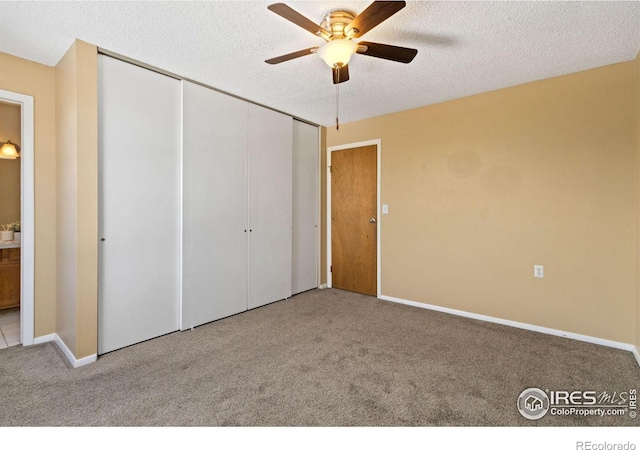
(338, 98)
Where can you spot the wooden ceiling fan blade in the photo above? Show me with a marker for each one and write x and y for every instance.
(342, 75)
(390, 52)
(375, 14)
(294, 55)
(295, 17)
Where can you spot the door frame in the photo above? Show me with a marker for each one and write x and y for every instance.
(27, 216)
(378, 144)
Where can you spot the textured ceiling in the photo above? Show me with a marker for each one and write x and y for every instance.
(463, 47)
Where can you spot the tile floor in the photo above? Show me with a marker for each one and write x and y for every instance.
(9, 329)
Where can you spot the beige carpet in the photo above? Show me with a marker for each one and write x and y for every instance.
(321, 358)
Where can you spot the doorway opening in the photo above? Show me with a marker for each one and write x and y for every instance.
(353, 225)
(17, 220)
(10, 186)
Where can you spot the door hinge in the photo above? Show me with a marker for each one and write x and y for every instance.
(331, 269)
(330, 169)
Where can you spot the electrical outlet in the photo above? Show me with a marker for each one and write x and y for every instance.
(538, 271)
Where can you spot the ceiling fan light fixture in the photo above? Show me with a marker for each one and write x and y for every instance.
(337, 53)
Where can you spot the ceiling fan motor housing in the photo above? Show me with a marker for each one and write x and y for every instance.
(336, 21)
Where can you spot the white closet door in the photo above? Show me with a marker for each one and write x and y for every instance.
(270, 205)
(214, 270)
(139, 204)
(305, 207)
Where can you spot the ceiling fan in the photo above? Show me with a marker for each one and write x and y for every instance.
(339, 28)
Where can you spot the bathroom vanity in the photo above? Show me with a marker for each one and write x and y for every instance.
(9, 274)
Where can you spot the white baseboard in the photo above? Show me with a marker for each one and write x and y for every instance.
(46, 338)
(322, 286)
(636, 354)
(60, 343)
(524, 326)
(72, 359)
(85, 361)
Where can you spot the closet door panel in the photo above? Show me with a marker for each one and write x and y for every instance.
(305, 207)
(139, 204)
(215, 130)
(270, 206)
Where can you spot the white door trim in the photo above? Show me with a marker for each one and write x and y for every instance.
(378, 144)
(27, 217)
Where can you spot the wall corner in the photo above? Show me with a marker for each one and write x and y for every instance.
(77, 199)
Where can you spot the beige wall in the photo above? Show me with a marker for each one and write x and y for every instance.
(9, 168)
(482, 188)
(37, 80)
(66, 149)
(637, 342)
(77, 199)
(87, 195)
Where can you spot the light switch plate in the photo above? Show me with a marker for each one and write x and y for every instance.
(385, 209)
(538, 271)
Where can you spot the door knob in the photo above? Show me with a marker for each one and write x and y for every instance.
(372, 220)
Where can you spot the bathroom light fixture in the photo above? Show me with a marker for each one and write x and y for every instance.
(8, 150)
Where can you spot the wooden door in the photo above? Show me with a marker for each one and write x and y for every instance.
(353, 219)
(139, 204)
(214, 224)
